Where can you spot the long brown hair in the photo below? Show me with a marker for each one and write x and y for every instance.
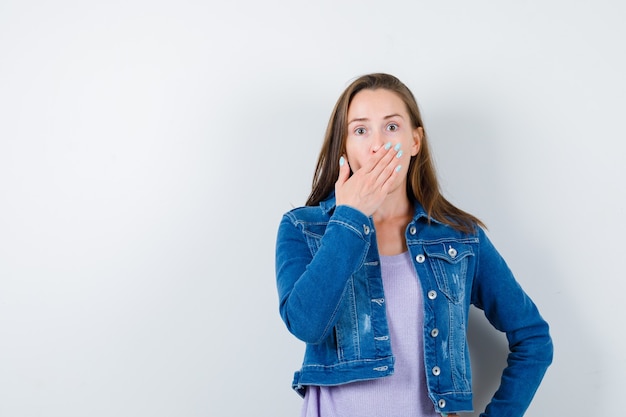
(422, 183)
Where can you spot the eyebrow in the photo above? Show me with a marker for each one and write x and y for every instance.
(365, 119)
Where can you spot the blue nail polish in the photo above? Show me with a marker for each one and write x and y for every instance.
(399, 153)
(387, 146)
(397, 147)
(341, 161)
(398, 168)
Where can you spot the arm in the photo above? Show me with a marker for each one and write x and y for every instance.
(312, 281)
(310, 287)
(509, 309)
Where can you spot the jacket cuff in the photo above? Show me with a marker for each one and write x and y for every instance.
(353, 220)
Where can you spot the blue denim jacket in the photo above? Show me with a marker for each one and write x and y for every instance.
(331, 297)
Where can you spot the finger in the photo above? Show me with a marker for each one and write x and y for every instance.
(387, 163)
(373, 162)
(344, 170)
(388, 176)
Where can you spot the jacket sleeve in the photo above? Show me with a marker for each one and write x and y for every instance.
(311, 281)
(509, 309)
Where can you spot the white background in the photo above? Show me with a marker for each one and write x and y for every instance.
(149, 148)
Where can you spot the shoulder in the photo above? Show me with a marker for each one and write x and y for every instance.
(306, 214)
(431, 229)
(316, 213)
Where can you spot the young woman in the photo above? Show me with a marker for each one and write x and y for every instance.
(377, 272)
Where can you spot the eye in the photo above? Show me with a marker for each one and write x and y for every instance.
(392, 127)
(359, 131)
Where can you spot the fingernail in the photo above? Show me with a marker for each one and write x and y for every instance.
(398, 168)
(397, 147)
(387, 146)
(399, 153)
(341, 161)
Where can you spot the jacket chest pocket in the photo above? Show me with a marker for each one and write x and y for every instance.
(449, 262)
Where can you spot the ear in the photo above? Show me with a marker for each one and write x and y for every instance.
(418, 134)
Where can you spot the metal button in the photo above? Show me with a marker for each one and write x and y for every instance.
(434, 332)
(442, 403)
(432, 294)
(436, 371)
(366, 229)
(452, 252)
(420, 258)
(412, 230)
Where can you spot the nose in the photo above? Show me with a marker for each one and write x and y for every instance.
(378, 141)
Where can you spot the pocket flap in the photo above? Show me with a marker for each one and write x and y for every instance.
(452, 252)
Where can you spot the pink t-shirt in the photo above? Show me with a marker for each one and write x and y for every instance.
(403, 394)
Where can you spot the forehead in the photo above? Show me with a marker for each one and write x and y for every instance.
(376, 103)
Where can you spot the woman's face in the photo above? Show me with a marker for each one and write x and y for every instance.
(375, 118)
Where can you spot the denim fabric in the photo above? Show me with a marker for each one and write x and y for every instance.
(331, 297)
